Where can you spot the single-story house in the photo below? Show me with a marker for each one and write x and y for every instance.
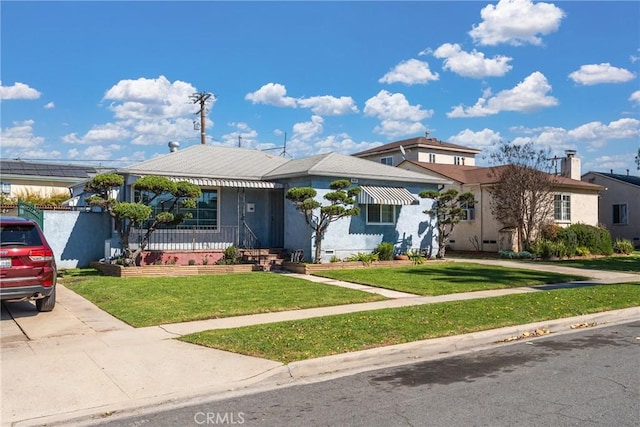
(619, 206)
(19, 177)
(243, 201)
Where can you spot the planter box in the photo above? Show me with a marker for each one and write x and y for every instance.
(302, 268)
(171, 270)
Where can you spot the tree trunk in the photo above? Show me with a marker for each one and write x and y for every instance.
(318, 253)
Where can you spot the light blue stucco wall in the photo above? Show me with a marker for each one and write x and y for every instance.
(413, 228)
(76, 237)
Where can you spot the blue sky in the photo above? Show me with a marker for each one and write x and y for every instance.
(110, 82)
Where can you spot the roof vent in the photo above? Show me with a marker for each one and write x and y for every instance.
(173, 146)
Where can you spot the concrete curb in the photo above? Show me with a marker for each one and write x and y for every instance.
(366, 360)
(329, 367)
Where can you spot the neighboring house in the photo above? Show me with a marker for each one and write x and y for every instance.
(18, 177)
(574, 201)
(243, 201)
(619, 207)
(421, 149)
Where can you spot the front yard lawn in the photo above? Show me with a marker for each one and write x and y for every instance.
(153, 301)
(622, 263)
(311, 338)
(439, 278)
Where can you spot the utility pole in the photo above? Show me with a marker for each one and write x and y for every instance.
(202, 98)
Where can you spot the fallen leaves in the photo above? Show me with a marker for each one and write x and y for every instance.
(527, 334)
(583, 325)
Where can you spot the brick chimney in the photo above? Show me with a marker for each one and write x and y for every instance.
(570, 165)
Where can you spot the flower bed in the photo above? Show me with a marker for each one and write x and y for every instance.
(171, 270)
(303, 268)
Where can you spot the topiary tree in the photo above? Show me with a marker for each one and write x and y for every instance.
(318, 217)
(126, 214)
(447, 208)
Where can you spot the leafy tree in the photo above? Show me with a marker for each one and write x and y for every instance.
(447, 207)
(126, 214)
(522, 196)
(318, 217)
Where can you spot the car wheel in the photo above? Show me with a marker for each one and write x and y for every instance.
(47, 303)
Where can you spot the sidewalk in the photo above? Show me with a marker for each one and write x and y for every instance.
(85, 362)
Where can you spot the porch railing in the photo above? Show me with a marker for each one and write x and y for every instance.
(187, 239)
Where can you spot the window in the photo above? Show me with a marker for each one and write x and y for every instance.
(205, 215)
(5, 187)
(620, 214)
(468, 211)
(381, 214)
(387, 161)
(562, 207)
(432, 158)
(458, 160)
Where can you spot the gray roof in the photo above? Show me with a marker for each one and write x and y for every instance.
(34, 169)
(629, 179)
(210, 161)
(343, 166)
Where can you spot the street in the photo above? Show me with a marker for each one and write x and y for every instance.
(587, 377)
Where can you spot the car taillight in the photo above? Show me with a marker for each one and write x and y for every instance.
(41, 255)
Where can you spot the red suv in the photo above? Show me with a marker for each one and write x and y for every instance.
(27, 265)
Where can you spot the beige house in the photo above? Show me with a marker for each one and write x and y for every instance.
(423, 150)
(619, 207)
(575, 201)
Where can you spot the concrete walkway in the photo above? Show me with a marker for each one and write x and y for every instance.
(78, 361)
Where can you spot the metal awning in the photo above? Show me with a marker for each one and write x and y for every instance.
(236, 183)
(385, 196)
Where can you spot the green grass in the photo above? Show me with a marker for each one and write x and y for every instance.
(153, 301)
(622, 263)
(311, 338)
(447, 278)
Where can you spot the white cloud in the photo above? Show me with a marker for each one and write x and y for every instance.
(243, 135)
(397, 117)
(593, 74)
(486, 138)
(18, 91)
(101, 152)
(20, 136)
(635, 97)
(271, 94)
(396, 128)
(410, 72)
(144, 99)
(394, 106)
(304, 131)
(472, 64)
(329, 105)
(606, 163)
(597, 133)
(529, 95)
(516, 22)
(49, 105)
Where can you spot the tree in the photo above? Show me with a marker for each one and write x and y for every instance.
(522, 196)
(318, 217)
(448, 209)
(176, 195)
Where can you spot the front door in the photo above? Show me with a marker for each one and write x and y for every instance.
(276, 233)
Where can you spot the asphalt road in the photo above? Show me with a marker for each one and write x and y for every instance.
(586, 378)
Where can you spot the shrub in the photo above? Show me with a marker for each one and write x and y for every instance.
(334, 259)
(416, 256)
(623, 246)
(583, 251)
(384, 251)
(596, 239)
(364, 257)
(507, 254)
(550, 231)
(230, 257)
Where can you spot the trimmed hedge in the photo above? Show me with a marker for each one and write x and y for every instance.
(576, 239)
